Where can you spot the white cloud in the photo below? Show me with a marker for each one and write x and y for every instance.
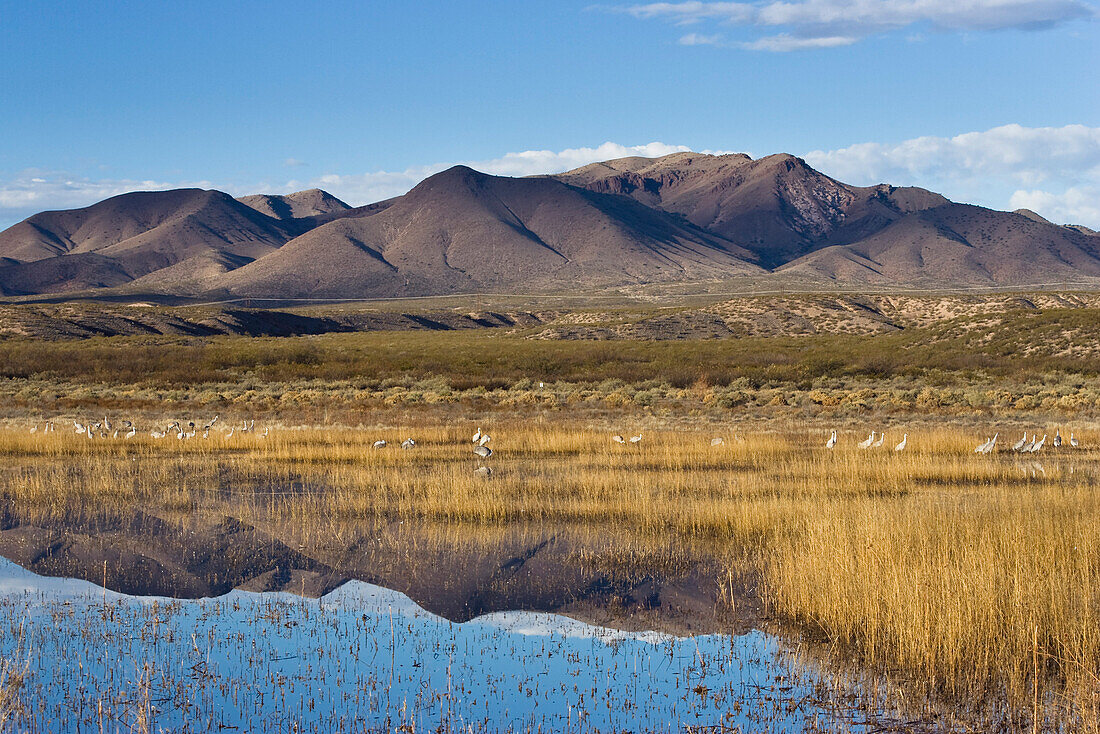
(693, 12)
(787, 42)
(1054, 171)
(824, 23)
(1054, 168)
(696, 39)
(1075, 205)
(368, 187)
(1025, 155)
(36, 191)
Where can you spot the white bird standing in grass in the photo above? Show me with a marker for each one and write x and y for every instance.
(881, 438)
(484, 440)
(1039, 446)
(618, 439)
(477, 435)
(1058, 438)
(832, 440)
(990, 444)
(866, 443)
(1021, 443)
(636, 439)
(904, 441)
(380, 444)
(1073, 440)
(408, 443)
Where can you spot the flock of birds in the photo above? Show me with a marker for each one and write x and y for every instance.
(1024, 446)
(873, 441)
(126, 429)
(481, 449)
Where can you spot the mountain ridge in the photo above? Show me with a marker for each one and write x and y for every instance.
(686, 217)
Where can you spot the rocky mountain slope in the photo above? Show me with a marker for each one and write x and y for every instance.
(686, 217)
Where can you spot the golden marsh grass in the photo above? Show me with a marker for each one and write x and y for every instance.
(974, 577)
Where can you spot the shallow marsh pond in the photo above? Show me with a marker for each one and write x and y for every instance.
(362, 657)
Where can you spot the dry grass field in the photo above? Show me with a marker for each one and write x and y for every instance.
(972, 578)
(968, 579)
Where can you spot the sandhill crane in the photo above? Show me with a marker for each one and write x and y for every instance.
(132, 432)
(80, 427)
(34, 428)
(484, 440)
(477, 435)
(262, 435)
(158, 434)
(1039, 446)
(230, 434)
(1058, 438)
(483, 451)
(106, 424)
(991, 444)
(380, 444)
(483, 471)
(981, 447)
(618, 439)
(881, 438)
(210, 425)
(636, 439)
(1073, 440)
(408, 443)
(1021, 443)
(1028, 446)
(866, 443)
(904, 441)
(832, 440)
(717, 441)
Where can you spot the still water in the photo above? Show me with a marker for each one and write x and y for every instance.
(365, 658)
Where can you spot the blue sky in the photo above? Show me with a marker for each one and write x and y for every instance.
(991, 101)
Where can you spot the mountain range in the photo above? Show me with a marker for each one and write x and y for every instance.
(680, 218)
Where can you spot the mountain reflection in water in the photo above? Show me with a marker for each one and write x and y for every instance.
(364, 657)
